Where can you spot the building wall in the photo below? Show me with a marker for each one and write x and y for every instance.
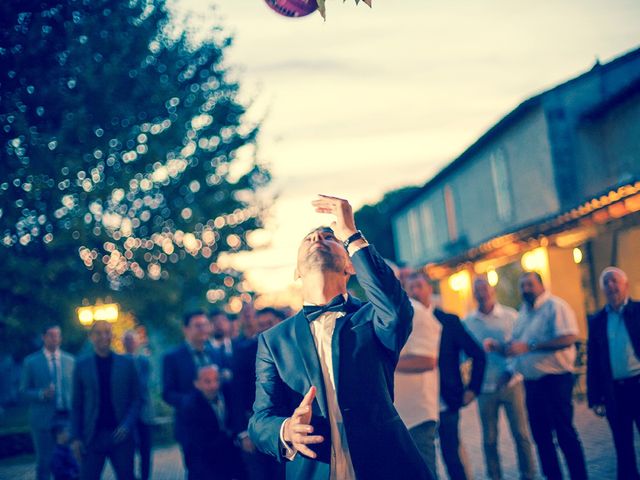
(610, 155)
(565, 106)
(510, 182)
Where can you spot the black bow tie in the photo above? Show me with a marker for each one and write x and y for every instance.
(311, 312)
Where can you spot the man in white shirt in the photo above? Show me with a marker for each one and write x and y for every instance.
(324, 377)
(492, 326)
(544, 348)
(417, 380)
(47, 379)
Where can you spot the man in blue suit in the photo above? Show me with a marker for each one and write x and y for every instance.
(47, 379)
(324, 377)
(180, 367)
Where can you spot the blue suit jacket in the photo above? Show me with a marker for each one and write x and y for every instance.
(366, 345)
(35, 377)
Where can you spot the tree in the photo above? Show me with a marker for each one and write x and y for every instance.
(375, 220)
(127, 164)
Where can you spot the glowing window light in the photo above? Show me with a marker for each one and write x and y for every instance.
(460, 281)
(577, 255)
(492, 277)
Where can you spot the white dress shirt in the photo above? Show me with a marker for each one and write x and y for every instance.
(550, 318)
(417, 393)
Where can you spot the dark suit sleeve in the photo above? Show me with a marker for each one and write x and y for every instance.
(268, 413)
(595, 393)
(393, 313)
(28, 389)
(473, 350)
(136, 395)
(77, 413)
(170, 378)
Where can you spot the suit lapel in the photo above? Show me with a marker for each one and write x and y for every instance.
(309, 354)
(45, 369)
(631, 320)
(352, 305)
(93, 373)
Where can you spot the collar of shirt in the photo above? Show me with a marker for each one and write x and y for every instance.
(194, 349)
(226, 342)
(541, 300)
(345, 295)
(496, 311)
(618, 310)
(49, 355)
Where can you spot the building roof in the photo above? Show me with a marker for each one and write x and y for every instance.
(513, 116)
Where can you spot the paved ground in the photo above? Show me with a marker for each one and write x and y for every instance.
(594, 433)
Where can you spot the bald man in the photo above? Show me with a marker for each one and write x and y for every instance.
(613, 367)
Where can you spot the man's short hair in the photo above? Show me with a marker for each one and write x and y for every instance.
(211, 366)
(98, 322)
(274, 311)
(186, 319)
(49, 326)
(214, 312)
(321, 228)
(535, 274)
(419, 274)
(607, 270)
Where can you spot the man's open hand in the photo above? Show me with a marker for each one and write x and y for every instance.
(298, 429)
(344, 225)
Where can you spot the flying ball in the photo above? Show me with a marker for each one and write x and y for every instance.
(293, 8)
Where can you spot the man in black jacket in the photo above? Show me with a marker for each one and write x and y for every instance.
(209, 452)
(453, 393)
(613, 367)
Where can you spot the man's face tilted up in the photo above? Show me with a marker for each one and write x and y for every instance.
(321, 251)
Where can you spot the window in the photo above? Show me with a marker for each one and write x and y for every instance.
(428, 232)
(450, 209)
(500, 176)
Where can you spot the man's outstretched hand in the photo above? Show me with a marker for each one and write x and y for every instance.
(298, 428)
(344, 226)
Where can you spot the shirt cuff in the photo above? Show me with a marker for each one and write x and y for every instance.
(286, 450)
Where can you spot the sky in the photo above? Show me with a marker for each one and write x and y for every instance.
(374, 99)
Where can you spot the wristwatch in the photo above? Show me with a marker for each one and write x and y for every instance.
(356, 236)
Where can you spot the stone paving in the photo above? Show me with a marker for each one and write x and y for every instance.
(593, 431)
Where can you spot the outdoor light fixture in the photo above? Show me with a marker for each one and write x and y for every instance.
(459, 281)
(535, 260)
(107, 312)
(492, 277)
(577, 255)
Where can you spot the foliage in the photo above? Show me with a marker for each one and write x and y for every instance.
(127, 164)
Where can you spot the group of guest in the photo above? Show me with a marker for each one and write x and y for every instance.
(522, 361)
(210, 381)
(85, 410)
(97, 407)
